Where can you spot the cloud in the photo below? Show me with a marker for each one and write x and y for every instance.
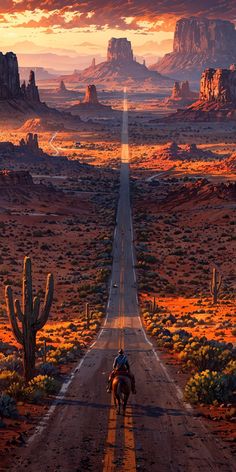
(141, 15)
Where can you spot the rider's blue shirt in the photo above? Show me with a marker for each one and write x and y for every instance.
(120, 362)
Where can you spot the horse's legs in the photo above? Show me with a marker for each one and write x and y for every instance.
(118, 411)
(126, 397)
(114, 397)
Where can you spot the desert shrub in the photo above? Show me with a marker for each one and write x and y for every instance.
(7, 406)
(65, 352)
(211, 355)
(18, 391)
(45, 383)
(48, 368)
(7, 377)
(11, 362)
(208, 387)
(39, 387)
(230, 369)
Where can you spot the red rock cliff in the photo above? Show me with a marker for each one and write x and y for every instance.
(199, 43)
(218, 85)
(9, 76)
(198, 35)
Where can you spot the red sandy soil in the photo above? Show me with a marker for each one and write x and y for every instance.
(179, 237)
(67, 230)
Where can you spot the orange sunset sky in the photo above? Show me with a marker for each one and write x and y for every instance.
(84, 28)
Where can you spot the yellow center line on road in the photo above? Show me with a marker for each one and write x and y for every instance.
(129, 461)
(109, 459)
(116, 437)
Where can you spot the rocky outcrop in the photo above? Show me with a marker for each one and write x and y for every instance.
(41, 125)
(31, 142)
(181, 91)
(91, 95)
(218, 85)
(10, 178)
(199, 43)
(201, 191)
(119, 49)
(9, 76)
(32, 93)
(217, 100)
(120, 69)
(90, 106)
(189, 152)
(62, 88)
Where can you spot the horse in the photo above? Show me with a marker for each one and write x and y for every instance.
(121, 388)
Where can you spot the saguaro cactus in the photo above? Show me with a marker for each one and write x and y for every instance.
(215, 285)
(31, 317)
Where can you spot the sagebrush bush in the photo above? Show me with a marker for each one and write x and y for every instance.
(41, 386)
(18, 391)
(7, 377)
(48, 368)
(208, 387)
(7, 407)
(11, 362)
(210, 355)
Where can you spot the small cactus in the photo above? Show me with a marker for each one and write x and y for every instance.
(153, 306)
(87, 315)
(215, 285)
(31, 317)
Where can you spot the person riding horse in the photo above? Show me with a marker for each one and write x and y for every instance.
(121, 366)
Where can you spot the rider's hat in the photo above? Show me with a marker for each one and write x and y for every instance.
(120, 351)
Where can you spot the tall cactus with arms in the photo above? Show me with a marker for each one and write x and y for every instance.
(31, 317)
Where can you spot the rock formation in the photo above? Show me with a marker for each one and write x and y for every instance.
(181, 91)
(62, 88)
(119, 50)
(218, 85)
(32, 93)
(17, 103)
(199, 43)
(31, 142)
(9, 76)
(217, 100)
(41, 125)
(91, 95)
(90, 106)
(189, 152)
(120, 68)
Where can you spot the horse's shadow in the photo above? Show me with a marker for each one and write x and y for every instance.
(138, 410)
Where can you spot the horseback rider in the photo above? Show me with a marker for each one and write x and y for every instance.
(121, 366)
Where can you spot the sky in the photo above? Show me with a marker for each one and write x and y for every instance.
(83, 28)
